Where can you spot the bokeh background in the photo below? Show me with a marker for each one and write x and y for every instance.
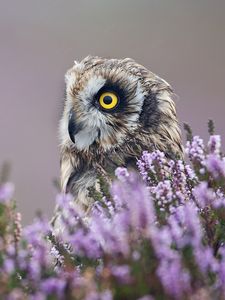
(182, 41)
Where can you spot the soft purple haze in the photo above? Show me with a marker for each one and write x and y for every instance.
(182, 41)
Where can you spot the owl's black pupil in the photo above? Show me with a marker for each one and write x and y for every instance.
(107, 99)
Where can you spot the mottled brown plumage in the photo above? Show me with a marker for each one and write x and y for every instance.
(94, 139)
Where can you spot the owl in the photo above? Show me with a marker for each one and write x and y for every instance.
(113, 111)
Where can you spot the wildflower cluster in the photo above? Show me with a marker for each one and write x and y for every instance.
(158, 234)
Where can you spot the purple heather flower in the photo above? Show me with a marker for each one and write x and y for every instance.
(22, 258)
(39, 248)
(6, 192)
(214, 144)
(176, 230)
(69, 216)
(195, 149)
(122, 273)
(142, 169)
(62, 200)
(163, 193)
(187, 215)
(190, 172)
(115, 232)
(85, 244)
(112, 234)
(105, 295)
(53, 286)
(219, 202)
(10, 250)
(110, 207)
(175, 279)
(55, 253)
(181, 197)
(134, 195)
(204, 196)
(92, 296)
(215, 166)
(179, 181)
(16, 294)
(37, 296)
(161, 239)
(150, 162)
(147, 297)
(34, 269)
(205, 259)
(185, 227)
(9, 265)
(35, 232)
(136, 255)
(221, 272)
(121, 173)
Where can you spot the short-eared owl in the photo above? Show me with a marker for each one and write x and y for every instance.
(114, 109)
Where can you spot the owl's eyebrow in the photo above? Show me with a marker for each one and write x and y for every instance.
(113, 87)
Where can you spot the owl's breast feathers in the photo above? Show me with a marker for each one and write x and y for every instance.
(96, 140)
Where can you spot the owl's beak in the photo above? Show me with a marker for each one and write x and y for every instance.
(73, 127)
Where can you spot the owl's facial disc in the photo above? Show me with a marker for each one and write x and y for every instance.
(104, 112)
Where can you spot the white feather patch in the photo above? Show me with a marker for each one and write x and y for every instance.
(93, 86)
(85, 137)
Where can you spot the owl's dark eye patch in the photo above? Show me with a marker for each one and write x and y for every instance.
(150, 115)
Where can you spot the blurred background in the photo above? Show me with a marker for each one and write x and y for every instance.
(182, 41)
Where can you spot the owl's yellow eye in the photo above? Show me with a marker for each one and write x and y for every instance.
(108, 100)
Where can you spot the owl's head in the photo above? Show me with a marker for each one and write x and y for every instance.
(110, 102)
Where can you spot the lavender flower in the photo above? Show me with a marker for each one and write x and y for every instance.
(203, 195)
(214, 144)
(215, 166)
(53, 286)
(16, 294)
(121, 173)
(190, 173)
(160, 233)
(221, 272)
(122, 273)
(175, 279)
(85, 244)
(147, 297)
(63, 200)
(163, 193)
(6, 192)
(106, 295)
(56, 254)
(133, 194)
(9, 265)
(196, 149)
